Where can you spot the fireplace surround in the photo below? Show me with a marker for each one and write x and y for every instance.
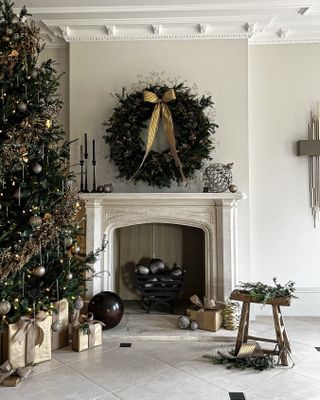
(214, 213)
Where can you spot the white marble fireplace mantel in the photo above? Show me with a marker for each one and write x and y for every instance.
(214, 213)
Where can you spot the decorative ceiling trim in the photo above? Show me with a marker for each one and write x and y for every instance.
(223, 5)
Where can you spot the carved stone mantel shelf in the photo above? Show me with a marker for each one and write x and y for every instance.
(214, 213)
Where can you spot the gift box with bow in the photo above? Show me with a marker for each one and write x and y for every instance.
(207, 314)
(28, 340)
(61, 337)
(87, 334)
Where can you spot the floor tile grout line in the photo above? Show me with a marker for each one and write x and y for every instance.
(202, 379)
(141, 379)
(86, 377)
(306, 376)
(102, 352)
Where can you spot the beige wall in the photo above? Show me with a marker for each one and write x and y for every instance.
(219, 67)
(284, 85)
(61, 56)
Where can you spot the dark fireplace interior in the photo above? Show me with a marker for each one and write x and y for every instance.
(173, 244)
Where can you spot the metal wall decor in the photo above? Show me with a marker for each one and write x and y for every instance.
(311, 148)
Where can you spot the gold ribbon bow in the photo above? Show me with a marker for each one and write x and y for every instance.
(7, 370)
(29, 329)
(161, 109)
(88, 321)
(208, 305)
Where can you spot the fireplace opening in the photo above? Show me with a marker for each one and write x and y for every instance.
(176, 245)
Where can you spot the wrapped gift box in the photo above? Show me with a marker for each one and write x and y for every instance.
(82, 341)
(27, 341)
(61, 338)
(208, 320)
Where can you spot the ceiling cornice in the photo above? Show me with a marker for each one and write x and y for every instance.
(259, 21)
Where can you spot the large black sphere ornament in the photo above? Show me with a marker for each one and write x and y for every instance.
(108, 308)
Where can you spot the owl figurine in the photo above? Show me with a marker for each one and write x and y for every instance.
(217, 178)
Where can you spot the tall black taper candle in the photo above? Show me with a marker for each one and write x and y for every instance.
(81, 167)
(94, 162)
(85, 163)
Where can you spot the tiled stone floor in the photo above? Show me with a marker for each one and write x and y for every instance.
(169, 365)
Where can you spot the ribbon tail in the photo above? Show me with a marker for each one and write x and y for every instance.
(168, 128)
(152, 130)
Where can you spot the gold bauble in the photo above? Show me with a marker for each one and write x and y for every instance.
(48, 123)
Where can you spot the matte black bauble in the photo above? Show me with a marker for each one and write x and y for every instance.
(108, 308)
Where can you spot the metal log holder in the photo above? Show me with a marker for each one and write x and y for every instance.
(159, 290)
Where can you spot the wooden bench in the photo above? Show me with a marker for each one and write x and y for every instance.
(283, 346)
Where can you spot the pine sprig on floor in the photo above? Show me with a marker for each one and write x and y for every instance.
(257, 362)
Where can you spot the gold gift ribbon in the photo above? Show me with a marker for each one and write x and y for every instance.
(7, 370)
(161, 109)
(29, 329)
(208, 305)
(88, 319)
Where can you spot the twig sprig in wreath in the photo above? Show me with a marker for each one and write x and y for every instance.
(188, 128)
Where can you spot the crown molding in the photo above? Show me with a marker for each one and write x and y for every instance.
(258, 21)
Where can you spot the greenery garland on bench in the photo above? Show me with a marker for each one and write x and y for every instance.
(193, 134)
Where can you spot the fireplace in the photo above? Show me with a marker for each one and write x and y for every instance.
(213, 213)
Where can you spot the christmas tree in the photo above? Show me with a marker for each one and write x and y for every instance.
(40, 259)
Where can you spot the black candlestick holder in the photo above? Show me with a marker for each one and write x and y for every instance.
(81, 175)
(94, 188)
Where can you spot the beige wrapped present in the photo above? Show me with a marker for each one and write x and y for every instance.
(207, 314)
(28, 341)
(87, 334)
(61, 338)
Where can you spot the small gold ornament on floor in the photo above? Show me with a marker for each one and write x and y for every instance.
(231, 315)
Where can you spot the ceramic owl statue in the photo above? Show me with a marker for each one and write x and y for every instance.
(217, 177)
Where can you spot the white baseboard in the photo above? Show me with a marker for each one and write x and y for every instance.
(307, 304)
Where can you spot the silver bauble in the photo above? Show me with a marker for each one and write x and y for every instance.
(15, 37)
(142, 269)
(69, 276)
(37, 168)
(68, 241)
(68, 184)
(49, 99)
(176, 271)
(100, 189)
(56, 326)
(35, 221)
(233, 188)
(8, 31)
(183, 322)
(193, 325)
(156, 266)
(21, 107)
(34, 74)
(78, 303)
(5, 307)
(108, 188)
(39, 271)
(217, 177)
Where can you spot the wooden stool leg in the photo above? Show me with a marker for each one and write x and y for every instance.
(284, 331)
(279, 334)
(243, 327)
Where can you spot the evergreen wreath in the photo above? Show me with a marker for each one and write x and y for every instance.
(194, 134)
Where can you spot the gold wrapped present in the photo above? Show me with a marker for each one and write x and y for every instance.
(87, 334)
(207, 314)
(28, 341)
(61, 337)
